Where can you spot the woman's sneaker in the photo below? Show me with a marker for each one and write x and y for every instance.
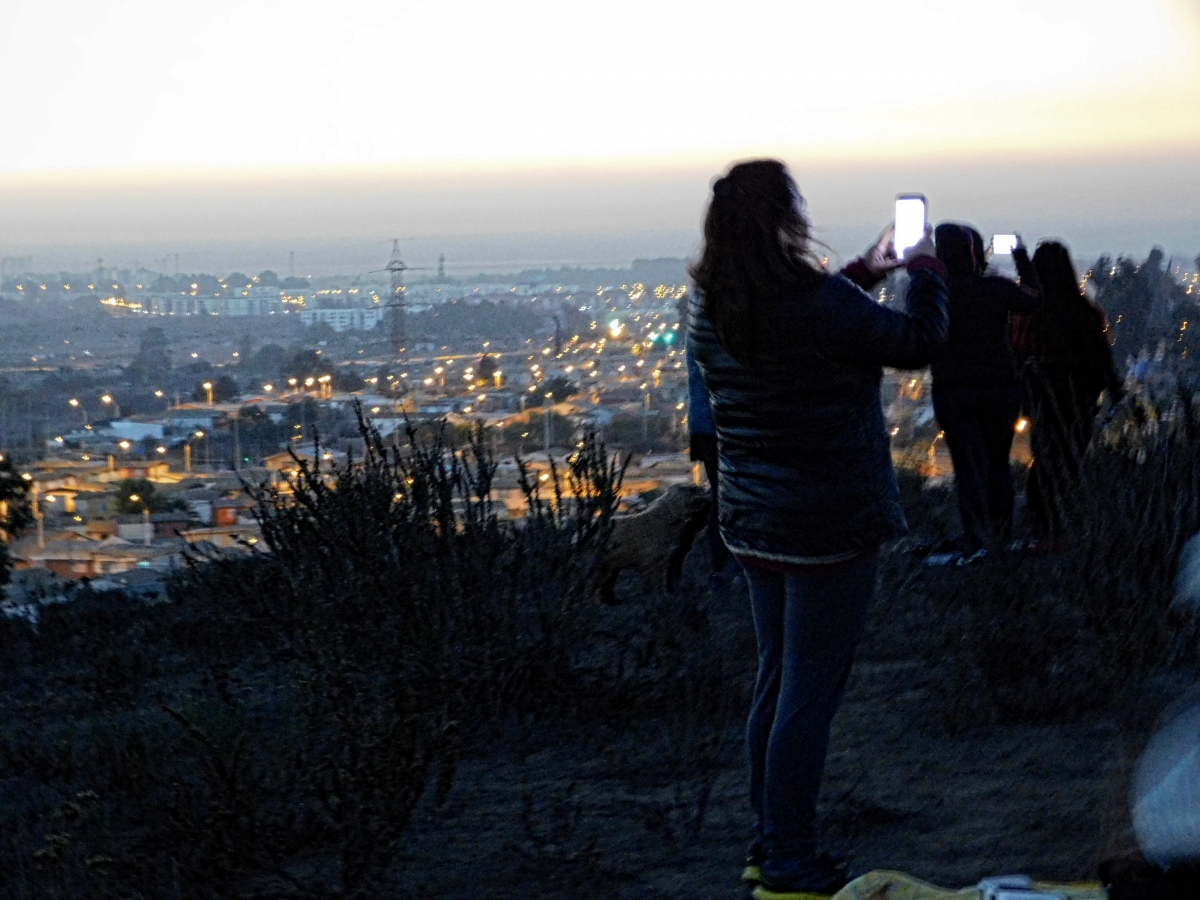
(755, 857)
(817, 878)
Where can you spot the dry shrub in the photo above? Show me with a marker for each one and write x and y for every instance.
(299, 700)
(270, 732)
(693, 692)
(1081, 626)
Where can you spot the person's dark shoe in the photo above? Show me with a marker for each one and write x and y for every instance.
(756, 856)
(817, 878)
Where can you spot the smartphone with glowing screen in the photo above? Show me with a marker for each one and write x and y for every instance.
(1004, 244)
(911, 216)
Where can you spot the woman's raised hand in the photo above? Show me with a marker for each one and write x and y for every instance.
(924, 247)
(881, 257)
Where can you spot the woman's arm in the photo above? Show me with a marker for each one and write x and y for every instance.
(1023, 298)
(858, 272)
(1027, 296)
(861, 331)
(875, 264)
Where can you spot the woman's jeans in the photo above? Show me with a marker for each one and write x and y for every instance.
(808, 626)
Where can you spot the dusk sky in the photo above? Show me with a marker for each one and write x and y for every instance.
(583, 131)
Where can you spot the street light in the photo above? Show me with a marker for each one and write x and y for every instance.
(147, 528)
(187, 447)
(79, 406)
(208, 390)
(107, 399)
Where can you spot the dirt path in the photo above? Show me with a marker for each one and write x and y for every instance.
(589, 821)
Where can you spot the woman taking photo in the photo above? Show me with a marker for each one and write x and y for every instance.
(792, 356)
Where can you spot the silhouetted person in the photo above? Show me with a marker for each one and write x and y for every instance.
(793, 356)
(1067, 365)
(976, 390)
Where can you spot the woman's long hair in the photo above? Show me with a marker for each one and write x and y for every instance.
(1067, 319)
(756, 241)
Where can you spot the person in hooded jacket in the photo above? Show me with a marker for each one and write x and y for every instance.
(976, 387)
(793, 356)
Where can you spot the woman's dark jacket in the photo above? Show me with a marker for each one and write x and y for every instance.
(1064, 348)
(979, 352)
(805, 459)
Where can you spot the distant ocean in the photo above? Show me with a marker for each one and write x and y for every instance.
(467, 255)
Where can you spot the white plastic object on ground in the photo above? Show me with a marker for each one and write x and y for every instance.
(1166, 793)
(990, 887)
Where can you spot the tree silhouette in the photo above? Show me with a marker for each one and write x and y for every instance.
(224, 389)
(559, 388)
(15, 511)
(147, 498)
(153, 361)
(485, 368)
(304, 364)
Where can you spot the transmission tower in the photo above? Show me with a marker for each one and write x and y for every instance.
(395, 303)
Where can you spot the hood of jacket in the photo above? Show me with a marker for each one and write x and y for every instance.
(960, 248)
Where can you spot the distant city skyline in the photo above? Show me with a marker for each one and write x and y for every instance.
(345, 225)
(558, 130)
